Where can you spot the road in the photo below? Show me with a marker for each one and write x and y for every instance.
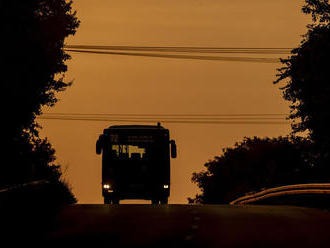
(190, 226)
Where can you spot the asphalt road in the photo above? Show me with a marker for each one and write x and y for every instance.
(190, 226)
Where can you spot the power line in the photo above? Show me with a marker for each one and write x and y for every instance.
(185, 49)
(177, 115)
(174, 120)
(172, 52)
(168, 121)
(178, 56)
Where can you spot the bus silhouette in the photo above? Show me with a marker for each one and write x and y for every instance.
(136, 163)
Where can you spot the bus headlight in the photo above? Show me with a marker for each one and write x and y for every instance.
(165, 186)
(106, 186)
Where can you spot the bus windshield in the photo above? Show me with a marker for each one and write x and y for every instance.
(129, 151)
(131, 147)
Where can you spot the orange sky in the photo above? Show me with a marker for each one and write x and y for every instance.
(143, 85)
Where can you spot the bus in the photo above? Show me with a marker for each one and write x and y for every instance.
(136, 163)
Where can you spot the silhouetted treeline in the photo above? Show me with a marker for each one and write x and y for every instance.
(32, 64)
(306, 78)
(258, 163)
(252, 165)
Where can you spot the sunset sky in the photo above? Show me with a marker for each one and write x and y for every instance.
(143, 85)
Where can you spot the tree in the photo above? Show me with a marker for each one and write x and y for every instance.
(262, 163)
(306, 76)
(32, 72)
(250, 166)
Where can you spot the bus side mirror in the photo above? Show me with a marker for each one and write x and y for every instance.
(173, 149)
(99, 144)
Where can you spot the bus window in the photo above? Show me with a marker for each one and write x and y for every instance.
(124, 151)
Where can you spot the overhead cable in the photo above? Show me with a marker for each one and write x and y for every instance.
(179, 56)
(245, 122)
(184, 49)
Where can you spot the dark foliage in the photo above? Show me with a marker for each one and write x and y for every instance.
(319, 9)
(306, 76)
(258, 163)
(32, 64)
(252, 165)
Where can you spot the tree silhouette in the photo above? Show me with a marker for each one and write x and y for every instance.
(306, 76)
(250, 166)
(32, 66)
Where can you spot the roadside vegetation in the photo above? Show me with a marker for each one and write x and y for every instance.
(32, 73)
(257, 163)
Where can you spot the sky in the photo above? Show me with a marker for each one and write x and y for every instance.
(143, 85)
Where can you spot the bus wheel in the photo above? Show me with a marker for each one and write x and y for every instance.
(107, 200)
(115, 201)
(164, 200)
